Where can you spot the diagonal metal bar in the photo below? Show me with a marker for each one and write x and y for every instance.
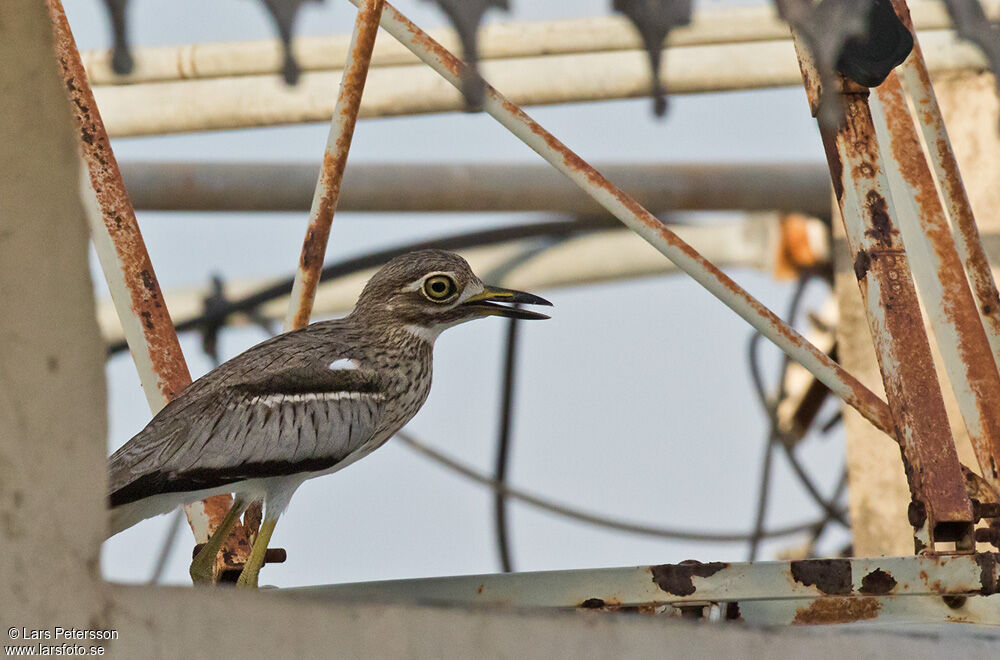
(916, 82)
(127, 267)
(338, 145)
(901, 345)
(937, 268)
(641, 221)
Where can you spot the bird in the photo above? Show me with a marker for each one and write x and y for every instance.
(302, 404)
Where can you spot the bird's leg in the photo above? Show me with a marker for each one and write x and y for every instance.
(248, 578)
(203, 563)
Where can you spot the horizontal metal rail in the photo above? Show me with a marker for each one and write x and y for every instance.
(435, 187)
(265, 100)
(692, 582)
(645, 224)
(496, 41)
(760, 241)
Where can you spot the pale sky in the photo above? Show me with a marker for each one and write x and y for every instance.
(634, 399)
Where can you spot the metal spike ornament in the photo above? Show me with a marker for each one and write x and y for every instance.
(284, 12)
(466, 15)
(825, 27)
(121, 56)
(654, 19)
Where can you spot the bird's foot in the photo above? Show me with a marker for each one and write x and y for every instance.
(202, 569)
(248, 578)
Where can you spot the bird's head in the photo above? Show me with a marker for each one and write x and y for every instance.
(431, 290)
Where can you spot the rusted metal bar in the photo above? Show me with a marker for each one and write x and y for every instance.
(809, 591)
(324, 205)
(937, 267)
(506, 40)
(127, 268)
(916, 82)
(641, 221)
(801, 187)
(904, 354)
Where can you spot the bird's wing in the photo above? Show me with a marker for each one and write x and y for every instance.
(272, 413)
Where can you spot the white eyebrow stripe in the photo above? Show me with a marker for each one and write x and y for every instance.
(344, 364)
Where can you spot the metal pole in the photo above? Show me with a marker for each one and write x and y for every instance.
(801, 187)
(324, 205)
(264, 100)
(937, 267)
(129, 272)
(506, 40)
(645, 224)
(916, 83)
(904, 354)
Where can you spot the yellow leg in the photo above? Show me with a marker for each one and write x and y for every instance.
(204, 562)
(248, 578)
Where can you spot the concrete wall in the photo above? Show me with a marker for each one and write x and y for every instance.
(52, 401)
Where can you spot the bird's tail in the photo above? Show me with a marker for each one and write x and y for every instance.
(123, 516)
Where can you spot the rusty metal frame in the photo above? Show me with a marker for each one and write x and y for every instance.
(916, 82)
(922, 588)
(338, 145)
(129, 272)
(942, 510)
(645, 224)
(937, 267)
(915, 413)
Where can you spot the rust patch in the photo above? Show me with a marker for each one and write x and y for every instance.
(733, 611)
(480, 589)
(988, 573)
(878, 583)
(830, 576)
(592, 604)
(837, 610)
(678, 579)
(881, 229)
(861, 264)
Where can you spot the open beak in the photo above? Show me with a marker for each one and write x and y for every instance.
(485, 303)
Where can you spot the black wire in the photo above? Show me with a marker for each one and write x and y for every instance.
(503, 444)
(764, 488)
(827, 519)
(774, 434)
(590, 517)
(250, 303)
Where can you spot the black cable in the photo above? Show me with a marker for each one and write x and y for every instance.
(774, 434)
(503, 444)
(589, 517)
(763, 490)
(248, 304)
(827, 519)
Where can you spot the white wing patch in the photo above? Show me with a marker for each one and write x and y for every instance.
(344, 364)
(271, 400)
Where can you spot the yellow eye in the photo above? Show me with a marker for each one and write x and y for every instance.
(439, 288)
